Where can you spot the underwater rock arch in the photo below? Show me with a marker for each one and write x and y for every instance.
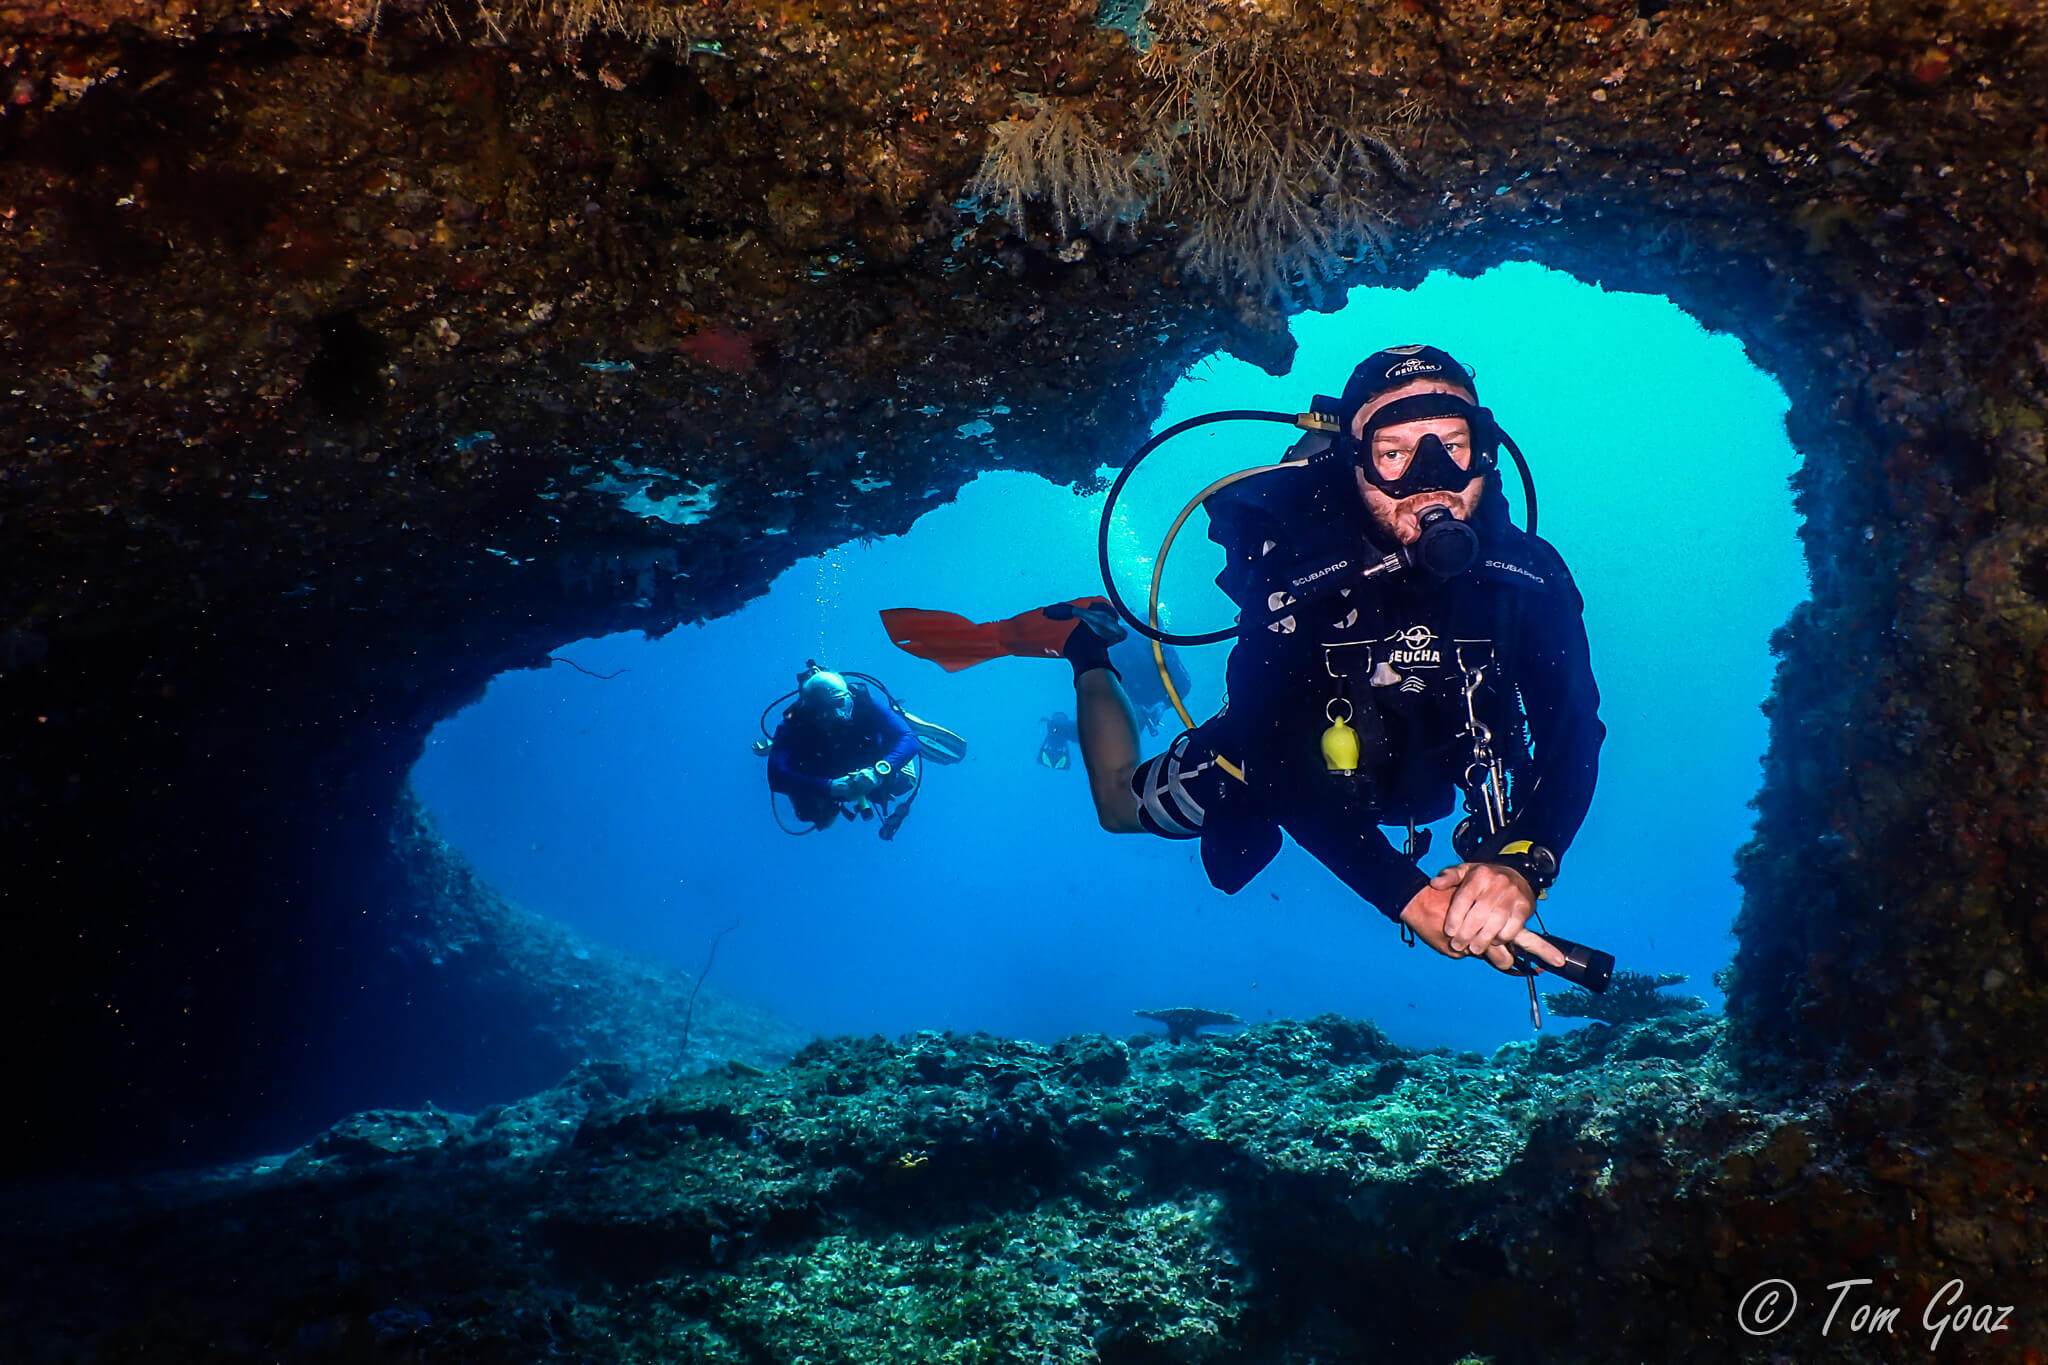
(356, 363)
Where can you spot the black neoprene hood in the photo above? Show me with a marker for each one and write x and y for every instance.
(1398, 365)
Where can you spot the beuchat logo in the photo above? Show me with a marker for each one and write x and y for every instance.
(1412, 366)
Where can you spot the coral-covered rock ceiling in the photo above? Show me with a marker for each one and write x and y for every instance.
(356, 350)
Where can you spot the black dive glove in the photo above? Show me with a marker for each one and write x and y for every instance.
(1096, 629)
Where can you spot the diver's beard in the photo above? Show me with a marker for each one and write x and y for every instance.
(1402, 519)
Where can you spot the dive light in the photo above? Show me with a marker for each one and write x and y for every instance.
(1588, 968)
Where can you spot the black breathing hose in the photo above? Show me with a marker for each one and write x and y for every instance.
(1296, 420)
(1109, 512)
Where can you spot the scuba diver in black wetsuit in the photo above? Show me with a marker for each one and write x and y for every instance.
(1399, 641)
(1470, 652)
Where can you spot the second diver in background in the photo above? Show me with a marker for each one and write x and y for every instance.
(840, 751)
(1053, 751)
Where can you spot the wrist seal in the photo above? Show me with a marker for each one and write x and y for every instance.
(1537, 864)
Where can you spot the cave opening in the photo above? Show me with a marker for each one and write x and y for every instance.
(291, 488)
(616, 791)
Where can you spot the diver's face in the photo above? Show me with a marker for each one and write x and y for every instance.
(827, 695)
(1393, 450)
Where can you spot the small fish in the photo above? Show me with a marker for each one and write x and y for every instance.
(609, 366)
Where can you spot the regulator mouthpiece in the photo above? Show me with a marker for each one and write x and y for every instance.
(1447, 547)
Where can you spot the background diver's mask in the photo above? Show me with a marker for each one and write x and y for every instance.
(825, 693)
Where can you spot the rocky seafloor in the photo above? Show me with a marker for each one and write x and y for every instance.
(1294, 1192)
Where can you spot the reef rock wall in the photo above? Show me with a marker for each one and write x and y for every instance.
(358, 351)
(1296, 1192)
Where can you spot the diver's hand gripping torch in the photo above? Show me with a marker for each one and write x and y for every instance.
(1587, 968)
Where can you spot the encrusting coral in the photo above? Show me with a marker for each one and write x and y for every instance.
(945, 1198)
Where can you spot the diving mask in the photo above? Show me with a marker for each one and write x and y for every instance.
(1431, 469)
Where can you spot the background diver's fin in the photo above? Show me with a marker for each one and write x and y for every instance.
(936, 742)
(1055, 756)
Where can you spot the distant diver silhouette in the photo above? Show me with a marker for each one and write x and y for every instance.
(1059, 733)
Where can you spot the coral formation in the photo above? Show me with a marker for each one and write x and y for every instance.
(1630, 998)
(966, 1199)
(1060, 155)
(1056, 1283)
(1252, 139)
(1277, 162)
(1185, 1022)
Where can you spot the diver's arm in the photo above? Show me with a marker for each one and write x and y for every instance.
(784, 777)
(1492, 903)
(1359, 855)
(896, 733)
(1109, 748)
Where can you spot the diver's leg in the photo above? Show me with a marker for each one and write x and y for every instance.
(1109, 747)
(1103, 715)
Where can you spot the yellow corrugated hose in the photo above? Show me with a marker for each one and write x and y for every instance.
(1152, 606)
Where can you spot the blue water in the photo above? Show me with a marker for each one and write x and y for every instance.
(633, 809)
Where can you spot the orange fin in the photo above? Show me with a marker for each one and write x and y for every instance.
(953, 642)
(947, 639)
